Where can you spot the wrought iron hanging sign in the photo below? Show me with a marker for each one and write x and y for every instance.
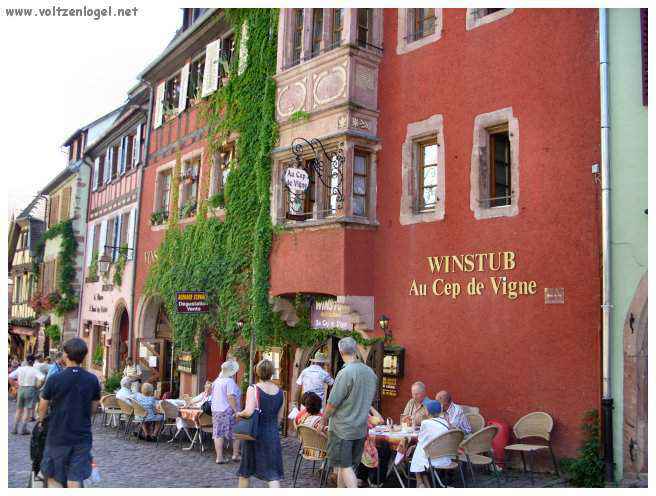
(325, 166)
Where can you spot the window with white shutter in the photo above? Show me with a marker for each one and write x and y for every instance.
(122, 155)
(131, 233)
(136, 152)
(103, 238)
(116, 238)
(107, 169)
(96, 171)
(184, 81)
(90, 239)
(159, 104)
(211, 74)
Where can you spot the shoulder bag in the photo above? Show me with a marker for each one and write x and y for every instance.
(247, 428)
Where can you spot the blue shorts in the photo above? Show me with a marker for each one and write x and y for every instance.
(64, 463)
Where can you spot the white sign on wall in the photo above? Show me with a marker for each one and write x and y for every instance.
(297, 180)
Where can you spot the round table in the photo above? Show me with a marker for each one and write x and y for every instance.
(398, 442)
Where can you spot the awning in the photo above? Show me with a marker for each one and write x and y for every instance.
(23, 331)
(43, 320)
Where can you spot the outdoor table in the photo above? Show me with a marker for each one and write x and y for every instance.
(394, 438)
(190, 416)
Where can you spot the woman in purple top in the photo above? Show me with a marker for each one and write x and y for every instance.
(225, 402)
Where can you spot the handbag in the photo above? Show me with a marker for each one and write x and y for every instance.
(206, 407)
(247, 428)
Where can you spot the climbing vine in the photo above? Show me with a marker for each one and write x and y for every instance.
(66, 300)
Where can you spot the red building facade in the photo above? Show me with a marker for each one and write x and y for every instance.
(480, 143)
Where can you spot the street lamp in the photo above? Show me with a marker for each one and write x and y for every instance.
(384, 325)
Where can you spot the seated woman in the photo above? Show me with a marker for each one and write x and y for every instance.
(125, 393)
(311, 414)
(372, 455)
(430, 430)
(151, 422)
(201, 398)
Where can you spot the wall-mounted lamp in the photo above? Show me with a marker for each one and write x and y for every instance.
(384, 325)
(103, 263)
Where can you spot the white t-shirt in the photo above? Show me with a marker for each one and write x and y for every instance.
(27, 376)
(430, 430)
(313, 378)
(222, 387)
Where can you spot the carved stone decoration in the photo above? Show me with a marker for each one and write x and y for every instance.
(342, 122)
(359, 123)
(291, 98)
(364, 78)
(329, 85)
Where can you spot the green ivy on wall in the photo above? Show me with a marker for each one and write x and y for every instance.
(65, 264)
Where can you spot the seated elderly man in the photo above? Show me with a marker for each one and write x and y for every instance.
(431, 429)
(414, 410)
(453, 413)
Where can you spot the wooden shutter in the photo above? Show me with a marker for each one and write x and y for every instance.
(211, 71)
(121, 157)
(136, 147)
(90, 239)
(54, 210)
(65, 208)
(243, 49)
(103, 238)
(96, 171)
(159, 105)
(184, 82)
(54, 276)
(645, 60)
(116, 238)
(130, 240)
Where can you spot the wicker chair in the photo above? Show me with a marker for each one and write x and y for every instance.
(110, 409)
(476, 421)
(138, 417)
(476, 448)
(205, 426)
(466, 409)
(313, 449)
(536, 424)
(171, 413)
(445, 445)
(127, 413)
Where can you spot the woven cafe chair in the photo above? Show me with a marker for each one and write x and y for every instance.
(442, 446)
(533, 425)
(126, 415)
(110, 409)
(313, 449)
(476, 421)
(466, 409)
(171, 413)
(138, 417)
(476, 448)
(205, 426)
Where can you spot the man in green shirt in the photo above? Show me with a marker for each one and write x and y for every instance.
(347, 411)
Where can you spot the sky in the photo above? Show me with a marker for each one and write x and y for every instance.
(64, 73)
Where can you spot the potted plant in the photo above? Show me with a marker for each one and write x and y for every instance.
(196, 99)
(159, 217)
(169, 112)
(188, 209)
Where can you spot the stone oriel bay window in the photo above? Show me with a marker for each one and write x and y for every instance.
(479, 17)
(494, 172)
(423, 172)
(330, 196)
(417, 28)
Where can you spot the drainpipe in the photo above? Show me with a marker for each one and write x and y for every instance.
(607, 399)
(144, 159)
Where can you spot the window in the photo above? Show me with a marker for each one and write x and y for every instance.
(164, 191)
(54, 210)
(98, 181)
(300, 206)
(125, 220)
(18, 288)
(221, 170)
(228, 45)
(479, 17)
(189, 193)
(297, 36)
(423, 23)
(129, 151)
(65, 209)
(172, 95)
(360, 167)
(196, 71)
(365, 23)
(499, 182)
(427, 175)
(317, 31)
(114, 164)
(338, 21)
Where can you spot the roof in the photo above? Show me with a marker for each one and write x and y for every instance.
(69, 171)
(91, 124)
(177, 40)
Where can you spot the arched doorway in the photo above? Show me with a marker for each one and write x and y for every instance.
(635, 385)
(120, 341)
(155, 349)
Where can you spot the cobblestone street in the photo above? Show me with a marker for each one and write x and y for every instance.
(131, 463)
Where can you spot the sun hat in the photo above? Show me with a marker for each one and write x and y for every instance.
(319, 357)
(229, 368)
(434, 407)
